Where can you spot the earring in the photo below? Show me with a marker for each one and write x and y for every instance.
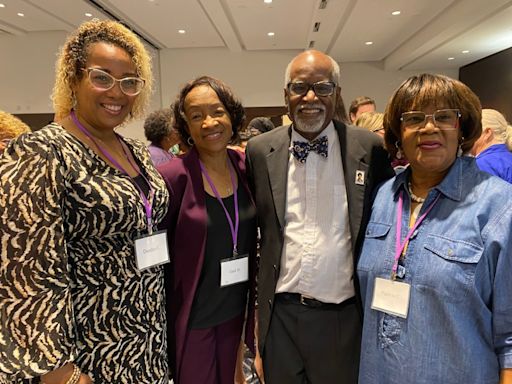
(459, 150)
(190, 141)
(399, 155)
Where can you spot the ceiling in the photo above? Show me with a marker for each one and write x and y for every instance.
(424, 35)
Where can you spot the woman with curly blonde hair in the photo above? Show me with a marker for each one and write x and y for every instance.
(80, 267)
(10, 127)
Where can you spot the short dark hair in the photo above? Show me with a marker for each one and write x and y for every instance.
(262, 124)
(227, 98)
(358, 101)
(421, 91)
(158, 125)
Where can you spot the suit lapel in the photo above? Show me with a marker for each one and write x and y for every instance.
(277, 165)
(352, 154)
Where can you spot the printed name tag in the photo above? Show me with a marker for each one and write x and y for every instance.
(391, 297)
(235, 270)
(151, 250)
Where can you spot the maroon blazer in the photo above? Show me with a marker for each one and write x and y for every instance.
(186, 224)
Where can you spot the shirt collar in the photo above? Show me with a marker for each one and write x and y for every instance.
(450, 186)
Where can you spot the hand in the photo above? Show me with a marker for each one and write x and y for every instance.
(85, 379)
(63, 374)
(506, 376)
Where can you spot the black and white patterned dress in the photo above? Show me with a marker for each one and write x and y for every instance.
(69, 286)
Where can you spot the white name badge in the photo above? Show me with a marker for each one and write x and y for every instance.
(391, 297)
(233, 271)
(151, 250)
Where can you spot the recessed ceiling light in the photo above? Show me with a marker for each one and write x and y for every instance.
(369, 42)
(396, 13)
(451, 58)
(88, 14)
(182, 31)
(465, 51)
(20, 14)
(267, 1)
(270, 34)
(2, 6)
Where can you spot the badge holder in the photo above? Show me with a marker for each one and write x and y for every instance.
(151, 250)
(234, 270)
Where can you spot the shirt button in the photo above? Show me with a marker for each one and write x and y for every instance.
(270, 303)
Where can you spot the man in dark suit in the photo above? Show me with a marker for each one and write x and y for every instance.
(313, 183)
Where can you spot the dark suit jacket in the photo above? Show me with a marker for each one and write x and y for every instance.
(186, 223)
(267, 168)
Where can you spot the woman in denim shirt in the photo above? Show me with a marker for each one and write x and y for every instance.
(438, 297)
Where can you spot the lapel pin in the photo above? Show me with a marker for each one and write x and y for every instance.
(359, 177)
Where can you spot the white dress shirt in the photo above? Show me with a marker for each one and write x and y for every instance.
(317, 254)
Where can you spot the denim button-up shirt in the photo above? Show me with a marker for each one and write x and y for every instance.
(459, 266)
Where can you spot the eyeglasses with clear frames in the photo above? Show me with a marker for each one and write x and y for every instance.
(444, 119)
(321, 88)
(130, 86)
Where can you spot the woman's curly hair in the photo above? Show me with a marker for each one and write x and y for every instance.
(73, 57)
(233, 106)
(11, 127)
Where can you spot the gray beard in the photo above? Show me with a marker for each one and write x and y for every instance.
(311, 126)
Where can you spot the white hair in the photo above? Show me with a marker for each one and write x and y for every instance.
(498, 124)
(335, 73)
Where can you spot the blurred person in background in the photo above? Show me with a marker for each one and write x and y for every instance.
(372, 121)
(80, 267)
(360, 105)
(259, 125)
(493, 149)
(10, 128)
(158, 129)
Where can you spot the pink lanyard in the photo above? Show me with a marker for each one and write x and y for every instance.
(233, 228)
(148, 203)
(399, 247)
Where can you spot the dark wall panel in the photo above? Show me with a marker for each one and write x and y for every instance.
(491, 79)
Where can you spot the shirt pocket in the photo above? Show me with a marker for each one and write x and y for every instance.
(374, 253)
(448, 267)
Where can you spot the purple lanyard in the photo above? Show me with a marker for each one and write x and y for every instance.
(148, 203)
(234, 228)
(399, 247)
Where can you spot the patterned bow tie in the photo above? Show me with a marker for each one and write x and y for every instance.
(301, 149)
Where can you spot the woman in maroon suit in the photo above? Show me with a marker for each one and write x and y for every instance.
(212, 238)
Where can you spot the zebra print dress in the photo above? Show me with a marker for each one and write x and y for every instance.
(70, 290)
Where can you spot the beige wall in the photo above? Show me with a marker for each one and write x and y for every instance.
(27, 74)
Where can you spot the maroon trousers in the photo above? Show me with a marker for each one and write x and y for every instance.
(210, 354)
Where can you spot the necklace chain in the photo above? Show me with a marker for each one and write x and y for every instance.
(415, 198)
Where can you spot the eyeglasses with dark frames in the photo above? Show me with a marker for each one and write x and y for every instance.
(444, 119)
(130, 86)
(321, 88)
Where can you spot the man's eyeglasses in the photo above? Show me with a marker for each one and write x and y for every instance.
(445, 119)
(130, 86)
(321, 88)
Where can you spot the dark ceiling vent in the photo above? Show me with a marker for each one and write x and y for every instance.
(316, 27)
(323, 4)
